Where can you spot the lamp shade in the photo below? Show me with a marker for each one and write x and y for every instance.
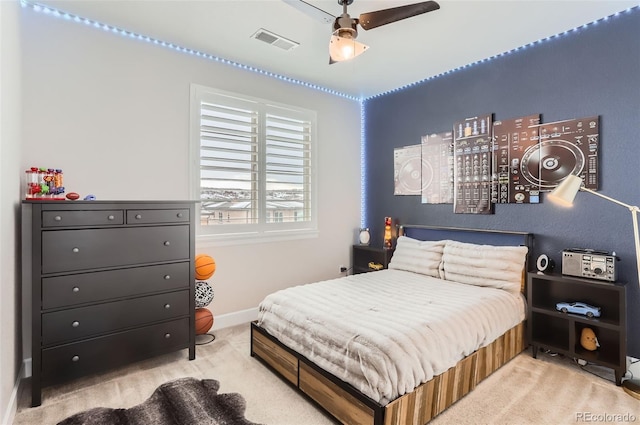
(344, 48)
(566, 191)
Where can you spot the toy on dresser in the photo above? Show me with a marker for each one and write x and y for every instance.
(44, 183)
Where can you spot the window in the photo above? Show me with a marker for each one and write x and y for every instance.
(255, 165)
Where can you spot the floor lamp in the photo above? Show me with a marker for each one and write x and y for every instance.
(564, 195)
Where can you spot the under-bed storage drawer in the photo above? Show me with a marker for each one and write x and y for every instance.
(345, 407)
(93, 355)
(277, 357)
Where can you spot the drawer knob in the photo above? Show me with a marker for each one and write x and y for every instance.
(167, 335)
(57, 218)
(167, 243)
(111, 217)
(75, 358)
(76, 289)
(75, 324)
(179, 215)
(167, 277)
(167, 306)
(138, 216)
(76, 250)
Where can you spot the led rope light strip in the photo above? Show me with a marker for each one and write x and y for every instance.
(515, 50)
(61, 14)
(109, 28)
(362, 100)
(363, 166)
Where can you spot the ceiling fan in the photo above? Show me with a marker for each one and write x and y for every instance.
(343, 45)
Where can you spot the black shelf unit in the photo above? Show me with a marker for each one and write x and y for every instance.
(560, 332)
(365, 254)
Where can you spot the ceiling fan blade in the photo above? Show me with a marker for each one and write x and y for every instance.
(312, 11)
(386, 16)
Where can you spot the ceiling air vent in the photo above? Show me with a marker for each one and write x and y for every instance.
(274, 39)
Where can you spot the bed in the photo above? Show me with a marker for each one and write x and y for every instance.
(399, 346)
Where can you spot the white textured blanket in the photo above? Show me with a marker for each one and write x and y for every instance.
(387, 332)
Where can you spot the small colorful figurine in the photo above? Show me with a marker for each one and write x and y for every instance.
(387, 232)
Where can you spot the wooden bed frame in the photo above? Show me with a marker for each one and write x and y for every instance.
(349, 406)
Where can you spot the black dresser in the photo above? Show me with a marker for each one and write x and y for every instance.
(111, 282)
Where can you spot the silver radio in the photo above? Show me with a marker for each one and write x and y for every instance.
(589, 263)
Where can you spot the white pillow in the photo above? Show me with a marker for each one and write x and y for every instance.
(424, 257)
(485, 265)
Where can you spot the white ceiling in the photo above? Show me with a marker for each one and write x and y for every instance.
(407, 51)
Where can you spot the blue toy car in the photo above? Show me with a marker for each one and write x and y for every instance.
(578, 308)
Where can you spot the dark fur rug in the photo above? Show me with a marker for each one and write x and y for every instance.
(183, 401)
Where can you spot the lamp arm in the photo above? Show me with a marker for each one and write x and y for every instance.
(634, 215)
(615, 201)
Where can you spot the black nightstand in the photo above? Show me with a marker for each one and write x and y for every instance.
(365, 254)
(560, 332)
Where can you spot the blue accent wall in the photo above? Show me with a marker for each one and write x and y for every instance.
(591, 71)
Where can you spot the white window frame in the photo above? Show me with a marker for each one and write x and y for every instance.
(261, 231)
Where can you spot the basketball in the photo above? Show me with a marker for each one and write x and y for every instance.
(204, 321)
(205, 266)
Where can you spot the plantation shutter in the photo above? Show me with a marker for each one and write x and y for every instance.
(256, 165)
(288, 165)
(229, 161)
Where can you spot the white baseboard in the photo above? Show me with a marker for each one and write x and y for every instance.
(236, 318)
(12, 406)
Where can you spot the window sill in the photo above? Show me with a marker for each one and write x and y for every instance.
(254, 238)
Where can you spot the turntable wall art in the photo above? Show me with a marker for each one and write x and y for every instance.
(472, 153)
(511, 139)
(437, 168)
(407, 170)
(481, 163)
(564, 148)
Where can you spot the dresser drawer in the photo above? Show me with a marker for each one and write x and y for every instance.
(81, 322)
(81, 218)
(64, 291)
(69, 250)
(97, 354)
(157, 216)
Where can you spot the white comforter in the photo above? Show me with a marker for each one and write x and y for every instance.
(387, 332)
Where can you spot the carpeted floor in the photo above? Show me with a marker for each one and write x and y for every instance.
(547, 390)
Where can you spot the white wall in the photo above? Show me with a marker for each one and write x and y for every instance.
(10, 175)
(113, 113)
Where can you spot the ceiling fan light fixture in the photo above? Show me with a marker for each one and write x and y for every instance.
(343, 46)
